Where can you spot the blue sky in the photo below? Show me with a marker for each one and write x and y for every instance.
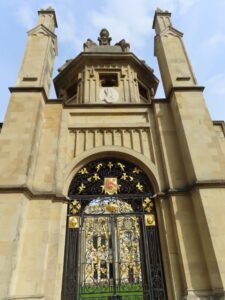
(201, 21)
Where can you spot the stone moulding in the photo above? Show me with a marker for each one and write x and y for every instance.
(23, 297)
(204, 184)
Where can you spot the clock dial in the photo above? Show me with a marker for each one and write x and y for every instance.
(109, 95)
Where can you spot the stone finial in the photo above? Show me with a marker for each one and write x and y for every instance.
(88, 44)
(124, 45)
(50, 8)
(47, 17)
(104, 38)
(161, 20)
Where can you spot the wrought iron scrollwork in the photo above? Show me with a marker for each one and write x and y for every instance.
(112, 245)
(90, 180)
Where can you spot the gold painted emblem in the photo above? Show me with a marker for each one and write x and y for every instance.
(122, 167)
(148, 204)
(73, 222)
(81, 188)
(74, 207)
(136, 170)
(124, 176)
(149, 220)
(83, 171)
(139, 186)
(112, 207)
(110, 186)
(110, 165)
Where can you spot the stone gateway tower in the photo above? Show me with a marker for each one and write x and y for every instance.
(107, 192)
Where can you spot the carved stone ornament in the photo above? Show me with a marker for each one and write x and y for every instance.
(89, 43)
(124, 45)
(104, 39)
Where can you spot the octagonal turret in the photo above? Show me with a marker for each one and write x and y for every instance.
(104, 74)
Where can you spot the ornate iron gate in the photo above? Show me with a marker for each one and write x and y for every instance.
(112, 244)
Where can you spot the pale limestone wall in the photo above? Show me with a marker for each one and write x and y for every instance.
(57, 146)
(41, 177)
(37, 65)
(220, 132)
(35, 248)
(209, 207)
(39, 42)
(196, 134)
(84, 129)
(203, 160)
(195, 273)
(170, 250)
(17, 137)
(173, 165)
(12, 209)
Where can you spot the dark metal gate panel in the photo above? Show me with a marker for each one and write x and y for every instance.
(70, 272)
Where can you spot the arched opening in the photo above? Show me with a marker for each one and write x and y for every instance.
(112, 245)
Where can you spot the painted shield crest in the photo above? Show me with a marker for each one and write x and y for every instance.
(110, 186)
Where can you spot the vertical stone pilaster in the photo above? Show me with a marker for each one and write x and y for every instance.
(202, 156)
(37, 66)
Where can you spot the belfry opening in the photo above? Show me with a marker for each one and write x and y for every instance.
(112, 246)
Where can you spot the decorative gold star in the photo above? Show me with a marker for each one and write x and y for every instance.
(124, 176)
(98, 167)
(81, 188)
(103, 188)
(131, 178)
(136, 170)
(83, 171)
(110, 165)
(96, 177)
(74, 207)
(139, 187)
(122, 167)
(147, 204)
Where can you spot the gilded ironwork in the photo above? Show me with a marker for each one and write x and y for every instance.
(122, 167)
(148, 204)
(73, 222)
(150, 220)
(139, 187)
(112, 245)
(74, 207)
(90, 179)
(81, 188)
(83, 171)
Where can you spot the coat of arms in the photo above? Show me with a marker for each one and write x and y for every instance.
(110, 186)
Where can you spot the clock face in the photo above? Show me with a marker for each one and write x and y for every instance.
(108, 95)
